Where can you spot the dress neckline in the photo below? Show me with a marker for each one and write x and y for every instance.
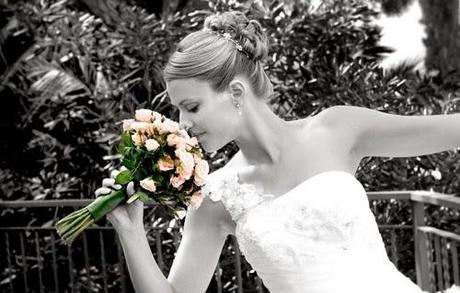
(252, 186)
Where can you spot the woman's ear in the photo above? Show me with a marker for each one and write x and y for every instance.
(237, 89)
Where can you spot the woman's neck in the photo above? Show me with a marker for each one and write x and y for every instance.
(264, 135)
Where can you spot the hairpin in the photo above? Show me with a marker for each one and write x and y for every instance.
(228, 37)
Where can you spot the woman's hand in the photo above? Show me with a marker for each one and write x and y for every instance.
(125, 217)
(128, 217)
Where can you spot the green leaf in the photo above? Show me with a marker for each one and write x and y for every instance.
(133, 197)
(144, 197)
(158, 179)
(126, 140)
(131, 158)
(123, 177)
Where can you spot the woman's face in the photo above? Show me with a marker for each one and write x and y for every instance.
(209, 115)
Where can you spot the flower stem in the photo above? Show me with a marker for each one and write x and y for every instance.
(73, 224)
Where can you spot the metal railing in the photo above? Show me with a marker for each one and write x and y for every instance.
(33, 259)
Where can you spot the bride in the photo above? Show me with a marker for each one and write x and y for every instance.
(289, 195)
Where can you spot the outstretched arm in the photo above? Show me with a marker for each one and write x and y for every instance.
(380, 134)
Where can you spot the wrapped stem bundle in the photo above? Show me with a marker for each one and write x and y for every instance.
(161, 162)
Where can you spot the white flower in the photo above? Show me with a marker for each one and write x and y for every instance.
(127, 124)
(144, 115)
(151, 145)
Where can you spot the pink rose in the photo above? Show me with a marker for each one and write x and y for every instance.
(151, 145)
(200, 172)
(166, 163)
(148, 184)
(176, 140)
(144, 115)
(177, 181)
(196, 199)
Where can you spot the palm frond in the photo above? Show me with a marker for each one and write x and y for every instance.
(53, 81)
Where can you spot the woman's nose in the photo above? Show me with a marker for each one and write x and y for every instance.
(186, 124)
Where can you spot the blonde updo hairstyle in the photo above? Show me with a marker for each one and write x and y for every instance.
(208, 56)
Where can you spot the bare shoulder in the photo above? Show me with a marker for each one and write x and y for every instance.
(341, 128)
(340, 115)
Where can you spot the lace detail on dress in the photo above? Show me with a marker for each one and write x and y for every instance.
(237, 198)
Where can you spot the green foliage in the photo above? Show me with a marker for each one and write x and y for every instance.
(124, 177)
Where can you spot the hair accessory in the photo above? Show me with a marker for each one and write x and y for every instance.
(228, 37)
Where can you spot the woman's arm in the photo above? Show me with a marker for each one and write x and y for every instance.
(145, 274)
(204, 234)
(375, 133)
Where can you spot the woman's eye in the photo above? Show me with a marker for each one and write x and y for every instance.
(193, 109)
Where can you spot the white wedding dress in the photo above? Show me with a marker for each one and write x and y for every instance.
(319, 237)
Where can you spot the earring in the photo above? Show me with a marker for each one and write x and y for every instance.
(238, 107)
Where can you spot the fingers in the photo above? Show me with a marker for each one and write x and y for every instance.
(114, 173)
(130, 189)
(110, 183)
(102, 191)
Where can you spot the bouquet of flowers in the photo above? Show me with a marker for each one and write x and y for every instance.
(160, 160)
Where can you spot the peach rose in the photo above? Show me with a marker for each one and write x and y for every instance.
(176, 140)
(138, 139)
(166, 163)
(177, 181)
(157, 124)
(157, 116)
(197, 157)
(140, 126)
(187, 163)
(148, 184)
(196, 199)
(169, 126)
(172, 139)
(200, 172)
(151, 145)
(144, 115)
(193, 141)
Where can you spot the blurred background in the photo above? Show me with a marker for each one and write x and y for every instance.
(72, 70)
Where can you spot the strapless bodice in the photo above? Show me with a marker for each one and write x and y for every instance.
(318, 237)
